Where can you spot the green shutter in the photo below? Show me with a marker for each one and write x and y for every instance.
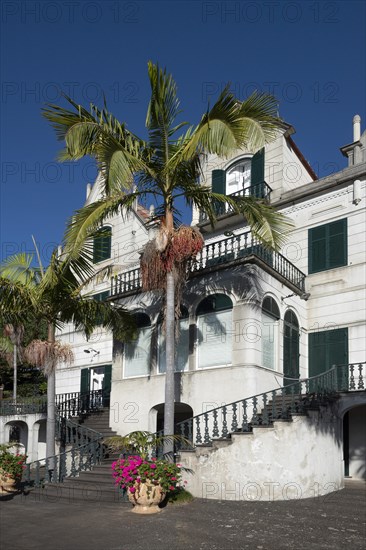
(291, 351)
(85, 381)
(107, 384)
(317, 249)
(219, 186)
(257, 174)
(328, 246)
(102, 245)
(100, 297)
(337, 243)
(219, 181)
(327, 348)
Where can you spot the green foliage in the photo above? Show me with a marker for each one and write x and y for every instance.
(141, 443)
(167, 165)
(12, 463)
(129, 472)
(179, 496)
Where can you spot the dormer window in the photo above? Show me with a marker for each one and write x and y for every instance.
(238, 177)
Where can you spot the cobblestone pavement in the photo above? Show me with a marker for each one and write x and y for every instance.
(336, 521)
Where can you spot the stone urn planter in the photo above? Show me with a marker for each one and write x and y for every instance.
(146, 498)
(7, 483)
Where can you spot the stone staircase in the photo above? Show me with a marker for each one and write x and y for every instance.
(96, 485)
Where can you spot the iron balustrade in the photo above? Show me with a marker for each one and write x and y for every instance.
(87, 448)
(259, 190)
(80, 458)
(218, 253)
(278, 404)
(77, 403)
(10, 407)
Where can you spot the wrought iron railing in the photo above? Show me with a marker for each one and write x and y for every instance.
(259, 190)
(32, 405)
(76, 403)
(81, 457)
(219, 253)
(86, 444)
(278, 404)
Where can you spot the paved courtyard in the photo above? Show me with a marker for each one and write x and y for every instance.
(336, 521)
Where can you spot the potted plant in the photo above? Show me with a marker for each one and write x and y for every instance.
(12, 464)
(146, 478)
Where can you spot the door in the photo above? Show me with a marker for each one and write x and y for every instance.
(291, 338)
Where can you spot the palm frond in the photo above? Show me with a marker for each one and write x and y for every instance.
(87, 314)
(268, 225)
(19, 268)
(88, 219)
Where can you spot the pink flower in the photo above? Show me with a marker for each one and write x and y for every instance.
(132, 489)
(152, 465)
(171, 488)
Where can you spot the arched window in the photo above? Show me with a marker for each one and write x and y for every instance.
(238, 177)
(181, 345)
(214, 326)
(102, 244)
(137, 352)
(270, 318)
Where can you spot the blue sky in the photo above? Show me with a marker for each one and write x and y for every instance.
(310, 54)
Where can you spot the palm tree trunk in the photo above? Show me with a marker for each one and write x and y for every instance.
(15, 373)
(51, 406)
(169, 375)
(170, 351)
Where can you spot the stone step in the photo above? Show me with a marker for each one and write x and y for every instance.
(75, 491)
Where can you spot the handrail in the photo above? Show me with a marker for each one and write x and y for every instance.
(278, 404)
(10, 407)
(218, 253)
(87, 448)
(65, 464)
(77, 403)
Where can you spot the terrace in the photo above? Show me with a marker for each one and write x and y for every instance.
(235, 249)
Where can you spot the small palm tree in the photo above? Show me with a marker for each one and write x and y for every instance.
(54, 295)
(164, 168)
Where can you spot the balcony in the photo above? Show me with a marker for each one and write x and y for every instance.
(220, 254)
(259, 191)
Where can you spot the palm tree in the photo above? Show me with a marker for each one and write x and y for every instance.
(54, 295)
(166, 167)
(15, 334)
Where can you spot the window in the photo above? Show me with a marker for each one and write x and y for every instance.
(270, 318)
(214, 324)
(327, 348)
(137, 352)
(102, 244)
(245, 174)
(328, 246)
(181, 346)
(239, 176)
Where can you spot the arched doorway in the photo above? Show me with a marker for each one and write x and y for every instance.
(291, 338)
(182, 412)
(16, 431)
(354, 442)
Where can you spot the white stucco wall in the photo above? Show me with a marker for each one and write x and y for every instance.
(269, 464)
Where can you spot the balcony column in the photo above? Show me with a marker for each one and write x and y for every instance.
(246, 335)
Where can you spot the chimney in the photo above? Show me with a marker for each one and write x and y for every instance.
(88, 189)
(356, 128)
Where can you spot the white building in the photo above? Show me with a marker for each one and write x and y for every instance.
(252, 321)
